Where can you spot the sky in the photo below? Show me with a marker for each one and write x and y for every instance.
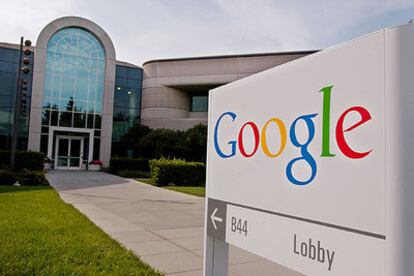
(143, 30)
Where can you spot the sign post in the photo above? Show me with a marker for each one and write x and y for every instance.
(310, 163)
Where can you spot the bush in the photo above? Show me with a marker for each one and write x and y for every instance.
(25, 178)
(32, 178)
(179, 172)
(7, 178)
(118, 164)
(133, 174)
(29, 160)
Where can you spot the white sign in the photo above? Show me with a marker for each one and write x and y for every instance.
(310, 163)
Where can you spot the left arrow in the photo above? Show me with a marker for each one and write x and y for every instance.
(214, 218)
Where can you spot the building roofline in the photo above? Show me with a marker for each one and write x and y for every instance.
(124, 63)
(9, 45)
(308, 52)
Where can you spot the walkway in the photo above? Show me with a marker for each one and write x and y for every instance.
(164, 228)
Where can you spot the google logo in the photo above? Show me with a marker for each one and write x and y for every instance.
(260, 137)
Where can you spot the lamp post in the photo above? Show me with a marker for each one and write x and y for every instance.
(20, 105)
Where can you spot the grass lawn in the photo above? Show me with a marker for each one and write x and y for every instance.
(41, 235)
(146, 181)
(197, 191)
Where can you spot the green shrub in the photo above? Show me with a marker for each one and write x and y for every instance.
(32, 178)
(118, 164)
(179, 172)
(29, 160)
(25, 178)
(133, 174)
(7, 178)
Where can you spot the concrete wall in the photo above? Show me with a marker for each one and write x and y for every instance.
(168, 84)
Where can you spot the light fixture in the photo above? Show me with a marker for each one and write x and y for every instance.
(129, 92)
(118, 88)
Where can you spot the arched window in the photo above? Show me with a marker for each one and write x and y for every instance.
(74, 80)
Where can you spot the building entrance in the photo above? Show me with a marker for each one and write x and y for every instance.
(69, 152)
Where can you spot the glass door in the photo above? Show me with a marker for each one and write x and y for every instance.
(75, 153)
(69, 152)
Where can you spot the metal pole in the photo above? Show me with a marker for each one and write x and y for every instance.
(15, 128)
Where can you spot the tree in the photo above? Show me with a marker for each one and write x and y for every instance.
(148, 143)
(196, 143)
(132, 139)
(162, 142)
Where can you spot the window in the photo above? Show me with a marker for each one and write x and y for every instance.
(199, 103)
(127, 100)
(8, 80)
(74, 79)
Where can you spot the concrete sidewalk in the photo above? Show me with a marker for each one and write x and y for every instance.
(164, 228)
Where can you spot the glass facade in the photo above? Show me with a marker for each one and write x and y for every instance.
(74, 83)
(9, 61)
(127, 100)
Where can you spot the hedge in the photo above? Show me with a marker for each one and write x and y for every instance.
(7, 178)
(133, 174)
(118, 164)
(29, 160)
(25, 178)
(176, 171)
(32, 178)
